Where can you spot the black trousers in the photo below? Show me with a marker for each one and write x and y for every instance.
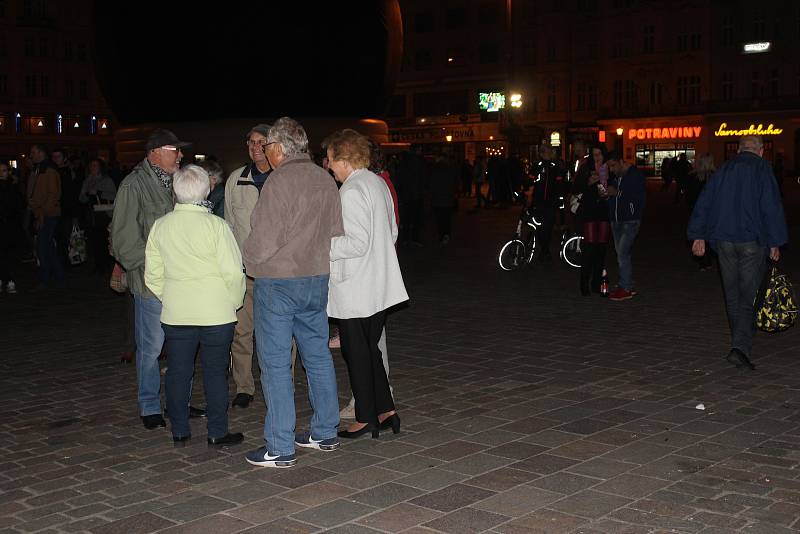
(359, 338)
(444, 216)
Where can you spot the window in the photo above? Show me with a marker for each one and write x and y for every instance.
(631, 95)
(30, 85)
(397, 106)
(81, 52)
(759, 26)
(423, 60)
(592, 91)
(587, 7)
(84, 90)
(68, 54)
(727, 86)
(441, 103)
(755, 85)
(649, 40)
(774, 82)
(618, 94)
(621, 48)
(456, 18)
(44, 86)
(43, 47)
(580, 105)
(488, 53)
(69, 89)
(29, 46)
(455, 57)
(683, 43)
(34, 8)
(688, 90)
(727, 30)
(695, 41)
(551, 95)
(423, 22)
(656, 90)
(528, 50)
(489, 12)
(551, 54)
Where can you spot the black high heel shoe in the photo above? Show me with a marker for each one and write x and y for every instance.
(393, 422)
(358, 433)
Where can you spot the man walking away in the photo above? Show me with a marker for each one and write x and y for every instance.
(740, 215)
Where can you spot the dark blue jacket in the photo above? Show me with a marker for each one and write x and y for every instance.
(628, 204)
(740, 203)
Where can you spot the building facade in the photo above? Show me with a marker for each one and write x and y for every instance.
(649, 77)
(48, 86)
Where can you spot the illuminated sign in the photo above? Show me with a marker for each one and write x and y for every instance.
(672, 132)
(555, 139)
(756, 48)
(491, 101)
(723, 130)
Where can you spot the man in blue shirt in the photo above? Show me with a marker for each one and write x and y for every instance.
(740, 215)
(626, 199)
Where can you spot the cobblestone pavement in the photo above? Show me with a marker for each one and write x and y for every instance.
(525, 408)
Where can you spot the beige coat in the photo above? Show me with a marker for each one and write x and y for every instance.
(241, 195)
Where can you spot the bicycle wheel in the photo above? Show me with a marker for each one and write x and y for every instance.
(512, 255)
(571, 251)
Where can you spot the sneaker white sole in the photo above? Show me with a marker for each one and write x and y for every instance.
(317, 446)
(272, 463)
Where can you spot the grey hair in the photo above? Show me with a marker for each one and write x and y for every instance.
(262, 129)
(213, 169)
(751, 143)
(290, 135)
(191, 184)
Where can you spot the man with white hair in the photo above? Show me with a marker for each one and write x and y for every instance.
(740, 215)
(287, 253)
(144, 196)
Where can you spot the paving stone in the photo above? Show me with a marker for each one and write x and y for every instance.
(432, 479)
(195, 508)
(518, 501)
(284, 525)
(632, 486)
(590, 503)
(218, 524)
(318, 493)
(467, 520)
(399, 517)
(385, 495)
(542, 522)
(138, 524)
(476, 464)
(544, 464)
(501, 479)
(265, 510)
(333, 513)
(452, 497)
(565, 483)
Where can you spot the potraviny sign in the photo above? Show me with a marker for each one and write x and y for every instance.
(724, 131)
(671, 132)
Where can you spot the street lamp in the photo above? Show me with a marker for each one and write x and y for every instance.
(620, 131)
(448, 138)
(516, 100)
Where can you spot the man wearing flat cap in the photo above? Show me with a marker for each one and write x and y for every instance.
(144, 196)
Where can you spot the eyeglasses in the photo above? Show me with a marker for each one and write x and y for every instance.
(260, 142)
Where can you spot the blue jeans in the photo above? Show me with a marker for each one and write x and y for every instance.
(282, 308)
(741, 266)
(215, 346)
(50, 268)
(624, 235)
(149, 340)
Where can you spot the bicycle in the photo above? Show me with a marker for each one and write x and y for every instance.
(570, 250)
(518, 251)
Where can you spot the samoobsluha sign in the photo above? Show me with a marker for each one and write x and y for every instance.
(725, 131)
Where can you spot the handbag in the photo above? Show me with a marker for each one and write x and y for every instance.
(76, 252)
(776, 304)
(119, 280)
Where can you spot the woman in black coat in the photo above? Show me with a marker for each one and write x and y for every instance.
(592, 216)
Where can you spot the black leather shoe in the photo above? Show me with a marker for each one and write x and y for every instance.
(153, 421)
(738, 358)
(393, 422)
(242, 400)
(195, 413)
(234, 438)
(358, 433)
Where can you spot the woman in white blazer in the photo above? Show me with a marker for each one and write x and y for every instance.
(365, 280)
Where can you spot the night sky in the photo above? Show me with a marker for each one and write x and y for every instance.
(185, 61)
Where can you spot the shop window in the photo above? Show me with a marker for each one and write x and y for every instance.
(649, 40)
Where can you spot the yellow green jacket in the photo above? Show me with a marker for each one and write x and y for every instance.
(194, 267)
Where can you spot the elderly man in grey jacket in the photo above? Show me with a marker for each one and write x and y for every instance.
(144, 196)
(287, 253)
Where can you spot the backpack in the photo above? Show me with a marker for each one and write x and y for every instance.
(776, 304)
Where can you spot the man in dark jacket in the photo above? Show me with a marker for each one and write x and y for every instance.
(626, 199)
(740, 214)
(547, 192)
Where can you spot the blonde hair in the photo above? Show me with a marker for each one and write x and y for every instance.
(350, 146)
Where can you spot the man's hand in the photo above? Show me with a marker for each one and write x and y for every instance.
(774, 253)
(699, 247)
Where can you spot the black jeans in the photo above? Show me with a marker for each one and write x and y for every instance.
(741, 266)
(359, 338)
(215, 346)
(546, 213)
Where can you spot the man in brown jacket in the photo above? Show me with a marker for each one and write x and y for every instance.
(288, 253)
(45, 205)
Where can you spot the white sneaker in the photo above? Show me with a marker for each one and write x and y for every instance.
(11, 287)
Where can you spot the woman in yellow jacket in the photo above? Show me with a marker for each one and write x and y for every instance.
(193, 265)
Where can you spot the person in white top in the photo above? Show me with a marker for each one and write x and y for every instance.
(365, 280)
